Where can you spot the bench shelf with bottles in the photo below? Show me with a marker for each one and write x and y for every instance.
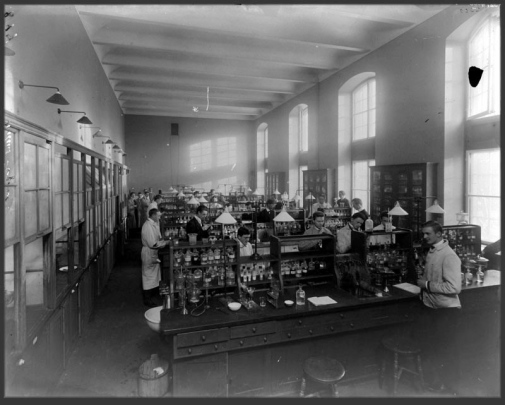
(390, 257)
(296, 227)
(205, 266)
(465, 240)
(337, 218)
(312, 265)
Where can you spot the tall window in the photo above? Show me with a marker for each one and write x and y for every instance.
(226, 151)
(303, 130)
(363, 110)
(200, 156)
(361, 181)
(261, 157)
(483, 191)
(484, 53)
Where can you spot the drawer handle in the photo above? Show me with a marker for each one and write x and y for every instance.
(254, 330)
(300, 322)
(310, 331)
(73, 291)
(203, 338)
(341, 315)
(189, 351)
(351, 325)
(265, 339)
(215, 347)
(332, 328)
(241, 343)
(289, 335)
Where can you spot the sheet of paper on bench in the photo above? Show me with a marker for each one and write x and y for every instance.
(322, 301)
(414, 289)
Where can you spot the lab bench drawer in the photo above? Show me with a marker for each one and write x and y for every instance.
(202, 337)
(252, 329)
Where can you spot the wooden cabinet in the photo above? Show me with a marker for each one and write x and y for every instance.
(414, 186)
(320, 181)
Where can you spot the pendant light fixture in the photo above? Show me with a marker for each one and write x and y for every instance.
(56, 98)
(435, 208)
(82, 120)
(397, 210)
(283, 216)
(225, 218)
(181, 194)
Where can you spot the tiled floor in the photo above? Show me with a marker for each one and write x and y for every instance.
(117, 341)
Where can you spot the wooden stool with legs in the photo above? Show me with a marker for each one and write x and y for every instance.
(323, 370)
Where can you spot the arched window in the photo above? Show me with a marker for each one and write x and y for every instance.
(484, 53)
(298, 147)
(363, 110)
(261, 156)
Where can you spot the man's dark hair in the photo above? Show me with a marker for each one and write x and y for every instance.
(201, 208)
(384, 214)
(157, 196)
(317, 214)
(357, 201)
(270, 201)
(359, 215)
(152, 211)
(434, 225)
(243, 231)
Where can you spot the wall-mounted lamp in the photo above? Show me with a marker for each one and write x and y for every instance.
(98, 134)
(116, 147)
(124, 154)
(56, 98)
(108, 142)
(82, 120)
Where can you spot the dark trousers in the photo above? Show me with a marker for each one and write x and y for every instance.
(436, 331)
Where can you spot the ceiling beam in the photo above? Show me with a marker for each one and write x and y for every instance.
(201, 114)
(263, 85)
(209, 65)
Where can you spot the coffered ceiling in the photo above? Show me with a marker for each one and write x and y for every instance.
(233, 61)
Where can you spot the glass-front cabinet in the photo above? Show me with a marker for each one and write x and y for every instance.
(60, 203)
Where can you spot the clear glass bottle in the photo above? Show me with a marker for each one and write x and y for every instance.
(300, 296)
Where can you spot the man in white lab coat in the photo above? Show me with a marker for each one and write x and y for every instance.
(151, 274)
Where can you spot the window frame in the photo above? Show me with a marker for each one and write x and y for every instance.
(370, 163)
(370, 110)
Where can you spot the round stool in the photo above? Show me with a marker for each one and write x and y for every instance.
(323, 370)
(405, 348)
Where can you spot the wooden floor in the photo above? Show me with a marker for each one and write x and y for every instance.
(117, 341)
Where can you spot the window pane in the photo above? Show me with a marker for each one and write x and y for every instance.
(66, 208)
(44, 210)
(485, 211)
(10, 205)
(30, 166)
(66, 170)
(57, 211)
(43, 167)
(30, 207)
(57, 174)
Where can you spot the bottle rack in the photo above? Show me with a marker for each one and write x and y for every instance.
(322, 256)
(390, 257)
(464, 240)
(220, 268)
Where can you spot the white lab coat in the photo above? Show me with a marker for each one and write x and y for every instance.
(151, 274)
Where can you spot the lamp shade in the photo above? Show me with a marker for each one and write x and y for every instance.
(276, 192)
(193, 201)
(256, 192)
(310, 197)
(297, 198)
(108, 142)
(171, 189)
(84, 120)
(57, 98)
(283, 216)
(202, 199)
(435, 208)
(284, 196)
(397, 210)
(249, 189)
(181, 194)
(116, 147)
(225, 218)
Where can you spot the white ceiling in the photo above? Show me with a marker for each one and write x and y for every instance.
(161, 59)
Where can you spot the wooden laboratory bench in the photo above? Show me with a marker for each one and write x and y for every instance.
(260, 353)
